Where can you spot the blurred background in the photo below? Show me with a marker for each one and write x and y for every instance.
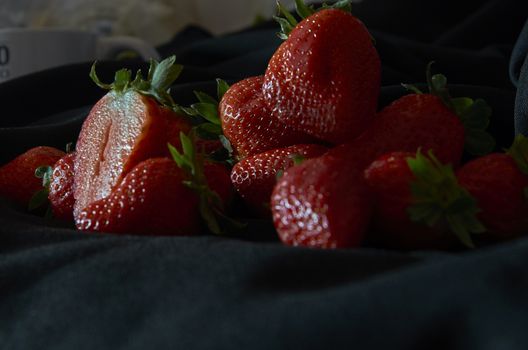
(155, 21)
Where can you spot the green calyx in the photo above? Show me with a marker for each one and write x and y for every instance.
(161, 76)
(475, 115)
(210, 126)
(40, 198)
(438, 197)
(296, 158)
(207, 120)
(211, 208)
(287, 21)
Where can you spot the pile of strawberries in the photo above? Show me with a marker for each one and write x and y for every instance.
(307, 148)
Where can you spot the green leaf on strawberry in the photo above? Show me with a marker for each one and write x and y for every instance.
(40, 198)
(209, 124)
(437, 197)
(287, 21)
(475, 115)
(211, 207)
(161, 76)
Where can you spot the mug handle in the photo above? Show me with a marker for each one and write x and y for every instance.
(110, 47)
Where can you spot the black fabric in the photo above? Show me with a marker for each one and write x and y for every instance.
(62, 289)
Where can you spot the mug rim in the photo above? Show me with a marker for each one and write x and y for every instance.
(46, 30)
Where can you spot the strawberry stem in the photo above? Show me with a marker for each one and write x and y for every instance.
(210, 205)
(438, 196)
(161, 76)
(210, 126)
(40, 198)
(288, 22)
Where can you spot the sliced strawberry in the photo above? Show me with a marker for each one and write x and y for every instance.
(254, 177)
(128, 125)
(324, 80)
(321, 203)
(17, 178)
(499, 183)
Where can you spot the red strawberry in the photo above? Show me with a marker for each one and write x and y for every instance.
(128, 125)
(254, 177)
(247, 122)
(432, 121)
(499, 183)
(418, 201)
(325, 78)
(160, 197)
(318, 204)
(411, 122)
(17, 178)
(61, 187)
(150, 200)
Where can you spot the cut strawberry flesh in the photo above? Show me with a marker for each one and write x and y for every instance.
(121, 131)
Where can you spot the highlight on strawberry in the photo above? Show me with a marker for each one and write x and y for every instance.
(57, 188)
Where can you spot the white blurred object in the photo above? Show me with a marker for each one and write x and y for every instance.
(155, 21)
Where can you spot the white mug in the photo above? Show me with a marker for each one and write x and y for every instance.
(26, 50)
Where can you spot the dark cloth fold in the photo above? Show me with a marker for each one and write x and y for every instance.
(63, 289)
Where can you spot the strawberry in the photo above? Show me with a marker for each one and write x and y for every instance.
(499, 183)
(57, 188)
(324, 79)
(418, 201)
(17, 178)
(151, 199)
(162, 197)
(254, 177)
(61, 188)
(318, 204)
(133, 122)
(243, 112)
(432, 121)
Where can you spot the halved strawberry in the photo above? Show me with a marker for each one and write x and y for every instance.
(499, 183)
(254, 177)
(17, 178)
(324, 80)
(131, 123)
